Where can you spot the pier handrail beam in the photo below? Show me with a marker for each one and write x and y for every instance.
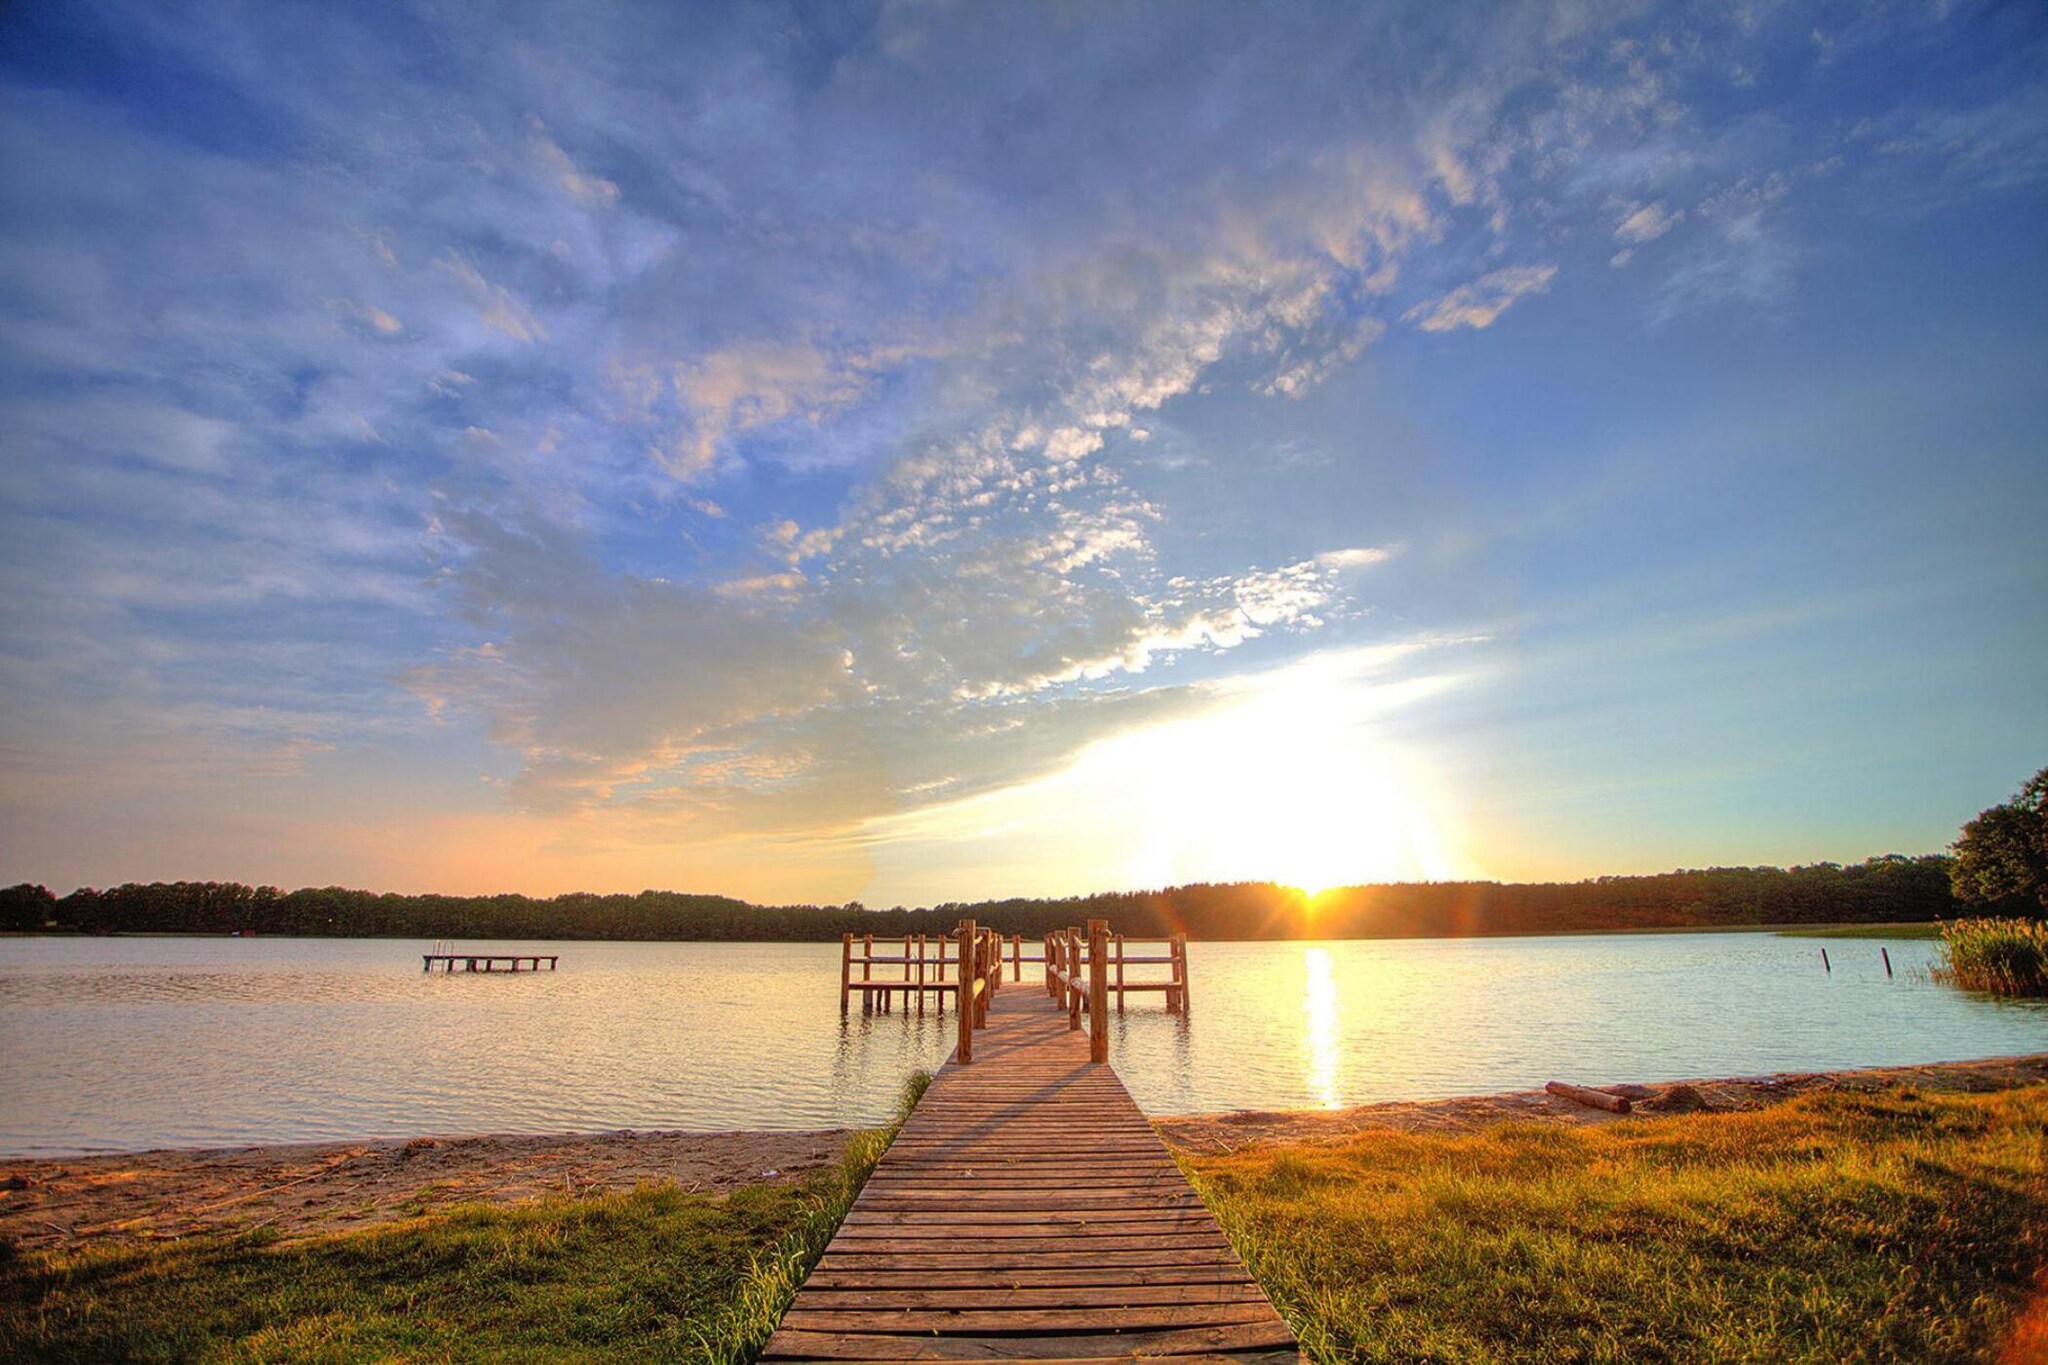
(1069, 953)
(917, 966)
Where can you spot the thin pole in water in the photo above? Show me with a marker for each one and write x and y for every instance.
(1886, 954)
(1825, 963)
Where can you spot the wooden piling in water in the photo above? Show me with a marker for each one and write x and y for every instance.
(1098, 991)
(845, 972)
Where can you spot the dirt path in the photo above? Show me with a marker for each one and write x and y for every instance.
(1227, 1132)
(328, 1187)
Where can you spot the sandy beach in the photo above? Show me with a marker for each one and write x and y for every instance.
(1227, 1132)
(312, 1189)
(308, 1189)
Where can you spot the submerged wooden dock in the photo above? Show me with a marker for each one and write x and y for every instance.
(1027, 1211)
(489, 962)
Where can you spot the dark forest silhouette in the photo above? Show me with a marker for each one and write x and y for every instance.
(1886, 889)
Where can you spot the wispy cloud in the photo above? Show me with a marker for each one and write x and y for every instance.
(1477, 304)
(731, 424)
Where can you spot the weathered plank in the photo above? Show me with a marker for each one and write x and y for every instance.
(1027, 1211)
(1222, 1341)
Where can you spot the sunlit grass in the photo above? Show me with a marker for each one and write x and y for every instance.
(653, 1274)
(1832, 1228)
(618, 1277)
(2004, 956)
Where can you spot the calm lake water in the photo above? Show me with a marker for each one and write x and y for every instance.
(131, 1043)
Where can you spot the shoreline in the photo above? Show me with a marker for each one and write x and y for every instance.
(317, 1188)
(1226, 1132)
(1889, 929)
(302, 1190)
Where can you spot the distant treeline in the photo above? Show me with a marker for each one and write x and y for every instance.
(1880, 890)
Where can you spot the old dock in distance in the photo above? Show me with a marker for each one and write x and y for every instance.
(489, 962)
(1027, 1210)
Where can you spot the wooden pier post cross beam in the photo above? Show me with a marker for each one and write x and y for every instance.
(489, 962)
(1027, 1211)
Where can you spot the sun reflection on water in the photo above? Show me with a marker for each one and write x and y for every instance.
(1321, 1052)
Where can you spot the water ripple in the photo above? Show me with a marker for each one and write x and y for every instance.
(119, 1044)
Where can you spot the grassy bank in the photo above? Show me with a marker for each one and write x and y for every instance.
(2003, 956)
(654, 1274)
(1914, 929)
(1836, 1227)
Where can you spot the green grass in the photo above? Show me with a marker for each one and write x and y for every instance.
(1835, 1227)
(1906, 929)
(2003, 956)
(655, 1274)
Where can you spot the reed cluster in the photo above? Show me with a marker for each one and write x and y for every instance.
(2003, 956)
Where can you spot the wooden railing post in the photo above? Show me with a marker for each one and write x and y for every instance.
(1119, 973)
(1073, 981)
(845, 971)
(980, 980)
(1180, 968)
(1098, 990)
(966, 996)
(867, 972)
(992, 943)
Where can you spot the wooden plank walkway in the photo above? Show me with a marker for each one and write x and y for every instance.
(1028, 1211)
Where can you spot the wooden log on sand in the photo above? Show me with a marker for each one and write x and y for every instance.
(1586, 1095)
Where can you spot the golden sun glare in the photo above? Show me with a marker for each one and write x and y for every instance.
(1289, 777)
(1287, 783)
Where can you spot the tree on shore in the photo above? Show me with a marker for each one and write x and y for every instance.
(2002, 855)
(25, 909)
(1887, 888)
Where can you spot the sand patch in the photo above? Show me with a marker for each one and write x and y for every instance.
(309, 1189)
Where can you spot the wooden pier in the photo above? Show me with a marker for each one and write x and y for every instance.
(489, 962)
(1027, 1210)
(925, 967)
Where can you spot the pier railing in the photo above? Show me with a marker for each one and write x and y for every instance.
(1083, 970)
(1128, 963)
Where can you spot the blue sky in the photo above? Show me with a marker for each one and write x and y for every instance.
(924, 451)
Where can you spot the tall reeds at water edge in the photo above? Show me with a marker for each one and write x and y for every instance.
(2003, 956)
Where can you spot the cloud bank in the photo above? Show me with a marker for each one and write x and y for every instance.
(750, 424)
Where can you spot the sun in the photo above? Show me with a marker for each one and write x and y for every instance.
(1289, 783)
(1295, 777)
